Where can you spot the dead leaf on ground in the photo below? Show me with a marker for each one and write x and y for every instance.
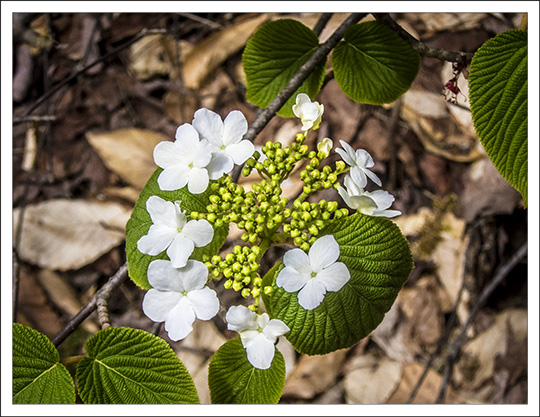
(205, 57)
(475, 368)
(128, 152)
(156, 55)
(62, 295)
(433, 23)
(69, 234)
(429, 117)
(314, 374)
(429, 390)
(371, 379)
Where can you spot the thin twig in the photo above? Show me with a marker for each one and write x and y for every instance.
(321, 23)
(200, 19)
(455, 347)
(103, 293)
(73, 77)
(421, 47)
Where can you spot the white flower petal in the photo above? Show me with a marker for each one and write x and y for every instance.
(382, 198)
(274, 329)
(363, 158)
(386, 213)
(297, 259)
(179, 321)
(173, 178)
(198, 180)
(161, 212)
(352, 187)
(193, 276)
(180, 250)
(157, 240)
(187, 138)
(166, 155)
(157, 304)
(345, 196)
(240, 151)
(234, 128)
(358, 176)
(364, 204)
(291, 280)
(198, 231)
(241, 318)
(205, 303)
(209, 126)
(260, 352)
(345, 156)
(334, 277)
(324, 252)
(164, 277)
(220, 164)
(311, 295)
(373, 177)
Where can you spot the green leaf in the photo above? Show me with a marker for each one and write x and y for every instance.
(233, 380)
(498, 96)
(373, 64)
(38, 376)
(131, 366)
(140, 221)
(273, 55)
(379, 260)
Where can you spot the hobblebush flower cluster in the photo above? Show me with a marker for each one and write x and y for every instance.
(200, 159)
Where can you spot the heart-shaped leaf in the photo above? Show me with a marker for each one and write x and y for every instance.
(273, 55)
(140, 222)
(498, 94)
(379, 261)
(233, 380)
(131, 366)
(38, 376)
(373, 64)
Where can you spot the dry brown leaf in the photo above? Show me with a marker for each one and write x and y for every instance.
(64, 297)
(154, 55)
(434, 23)
(486, 192)
(128, 152)
(69, 234)
(180, 105)
(429, 117)
(371, 379)
(206, 56)
(314, 374)
(475, 368)
(429, 390)
(128, 194)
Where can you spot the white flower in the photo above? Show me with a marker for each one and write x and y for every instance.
(310, 113)
(325, 146)
(225, 137)
(313, 274)
(171, 230)
(179, 296)
(257, 332)
(185, 161)
(359, 162)
(373, 203)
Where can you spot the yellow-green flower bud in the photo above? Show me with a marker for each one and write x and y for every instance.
(246, 292)
(228, 273)
(255, 292)
(268, 290)
(237, 286)
(228, 284)
(313, 230)
(304, 246)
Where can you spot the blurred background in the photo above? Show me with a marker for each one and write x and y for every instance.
(94, 93)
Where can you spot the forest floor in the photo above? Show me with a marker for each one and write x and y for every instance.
(87, 148)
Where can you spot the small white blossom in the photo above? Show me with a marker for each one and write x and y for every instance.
(310, 113)
(171, 230)
(186, 161)
(359, 162)
(257, 332)
(325, 146)
(373, 203)
(225, 137)
(179, 296)
(314, 274)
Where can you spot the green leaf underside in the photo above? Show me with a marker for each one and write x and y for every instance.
(140, 222)
(373, 64)
(379, 260)
(273, 55)
(233, 380)
(131, 366)
(38, 376)
(498, 97)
